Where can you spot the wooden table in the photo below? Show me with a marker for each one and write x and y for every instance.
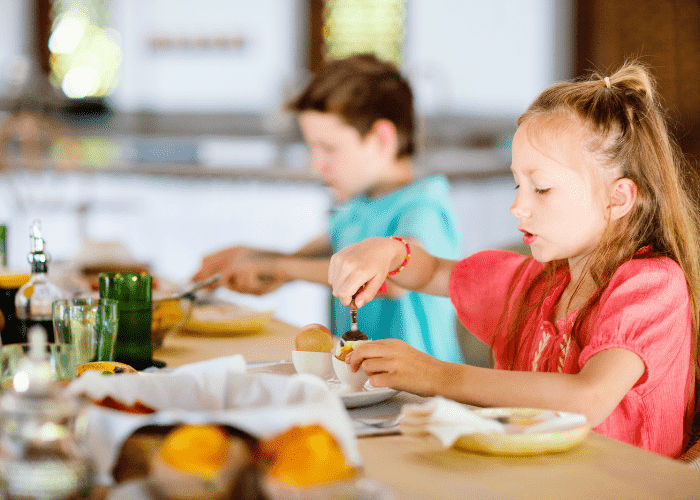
(416, 468)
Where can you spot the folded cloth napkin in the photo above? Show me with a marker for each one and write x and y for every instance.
(217, 392)
(448, 420)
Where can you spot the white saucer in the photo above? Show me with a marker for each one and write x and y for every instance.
(367, 396)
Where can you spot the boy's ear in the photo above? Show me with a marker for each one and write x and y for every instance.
(386, 136)
(623, 196)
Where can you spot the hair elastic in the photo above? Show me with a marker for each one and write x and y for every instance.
(607, 82)
(405, 261)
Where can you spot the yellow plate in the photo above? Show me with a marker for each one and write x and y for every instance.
(220, 320)
(516, 443)
(11, 281)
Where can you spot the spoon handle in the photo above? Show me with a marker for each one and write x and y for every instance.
(353, 316)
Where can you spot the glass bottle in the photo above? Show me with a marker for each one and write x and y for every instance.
(33, 300)
(41, 456)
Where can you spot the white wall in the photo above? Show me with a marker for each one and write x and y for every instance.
(479, 57)
(463, 56)
(249, 80)
(13, 39)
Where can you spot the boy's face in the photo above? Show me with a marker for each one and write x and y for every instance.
(560, 206)
(349, 164)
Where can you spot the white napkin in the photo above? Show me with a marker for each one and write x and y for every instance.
(448, 420)
(215, 391)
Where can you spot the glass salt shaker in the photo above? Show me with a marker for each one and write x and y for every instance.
(40, 457)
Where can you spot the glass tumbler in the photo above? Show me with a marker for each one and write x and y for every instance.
(89, 325)
(133, 293)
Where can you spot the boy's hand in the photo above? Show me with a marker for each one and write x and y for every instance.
(243, 269)
(256, 273)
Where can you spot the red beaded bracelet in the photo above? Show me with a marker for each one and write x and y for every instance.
(405, 261)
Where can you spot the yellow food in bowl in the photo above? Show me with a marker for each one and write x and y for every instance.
(167, 315)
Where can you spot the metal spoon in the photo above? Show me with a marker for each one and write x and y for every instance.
(189, 291)
(354, 333)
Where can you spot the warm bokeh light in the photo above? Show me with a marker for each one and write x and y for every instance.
(85, 57)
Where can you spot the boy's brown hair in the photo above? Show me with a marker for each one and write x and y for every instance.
(362, 89)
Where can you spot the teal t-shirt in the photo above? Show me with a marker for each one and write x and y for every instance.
(423, 211)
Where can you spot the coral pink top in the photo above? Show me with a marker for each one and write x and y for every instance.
(645, 309)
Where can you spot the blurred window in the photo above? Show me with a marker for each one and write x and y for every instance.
(340, 28)
(78, 50)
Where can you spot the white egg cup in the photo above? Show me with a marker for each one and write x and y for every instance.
(314, 363)
(354, 381)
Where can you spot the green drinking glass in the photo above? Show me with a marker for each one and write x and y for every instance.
(133, 293)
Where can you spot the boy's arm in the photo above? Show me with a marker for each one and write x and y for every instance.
(309, 263)
(318, 247)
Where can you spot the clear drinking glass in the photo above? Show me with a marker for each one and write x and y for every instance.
(89, 325)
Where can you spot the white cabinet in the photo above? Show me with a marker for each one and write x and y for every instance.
(171, 222)
(483, 208)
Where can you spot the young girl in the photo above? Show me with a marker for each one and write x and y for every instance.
(603, 318)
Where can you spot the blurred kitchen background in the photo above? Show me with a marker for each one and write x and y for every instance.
(155, 129)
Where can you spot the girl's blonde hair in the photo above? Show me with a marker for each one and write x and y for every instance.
(625, 121)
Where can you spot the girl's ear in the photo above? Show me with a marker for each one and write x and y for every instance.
(623, 196)
(385, 134)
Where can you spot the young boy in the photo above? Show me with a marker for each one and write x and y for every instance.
(358, 121)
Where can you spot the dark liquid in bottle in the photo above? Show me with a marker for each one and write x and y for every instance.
(10, 334)
(26, 324)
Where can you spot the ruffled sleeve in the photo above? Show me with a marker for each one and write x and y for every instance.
(479, 288)
(646, 310)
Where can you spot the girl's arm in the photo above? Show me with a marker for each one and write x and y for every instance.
(368, 262)
(594, 392)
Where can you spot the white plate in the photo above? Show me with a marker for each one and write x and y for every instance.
(367, 396)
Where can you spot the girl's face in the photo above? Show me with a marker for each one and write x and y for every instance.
(561, 208)
(348, 163)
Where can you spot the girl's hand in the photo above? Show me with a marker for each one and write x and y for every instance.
(395, 364)
(364, 264)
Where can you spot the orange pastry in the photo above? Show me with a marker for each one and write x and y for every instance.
(306, 456)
